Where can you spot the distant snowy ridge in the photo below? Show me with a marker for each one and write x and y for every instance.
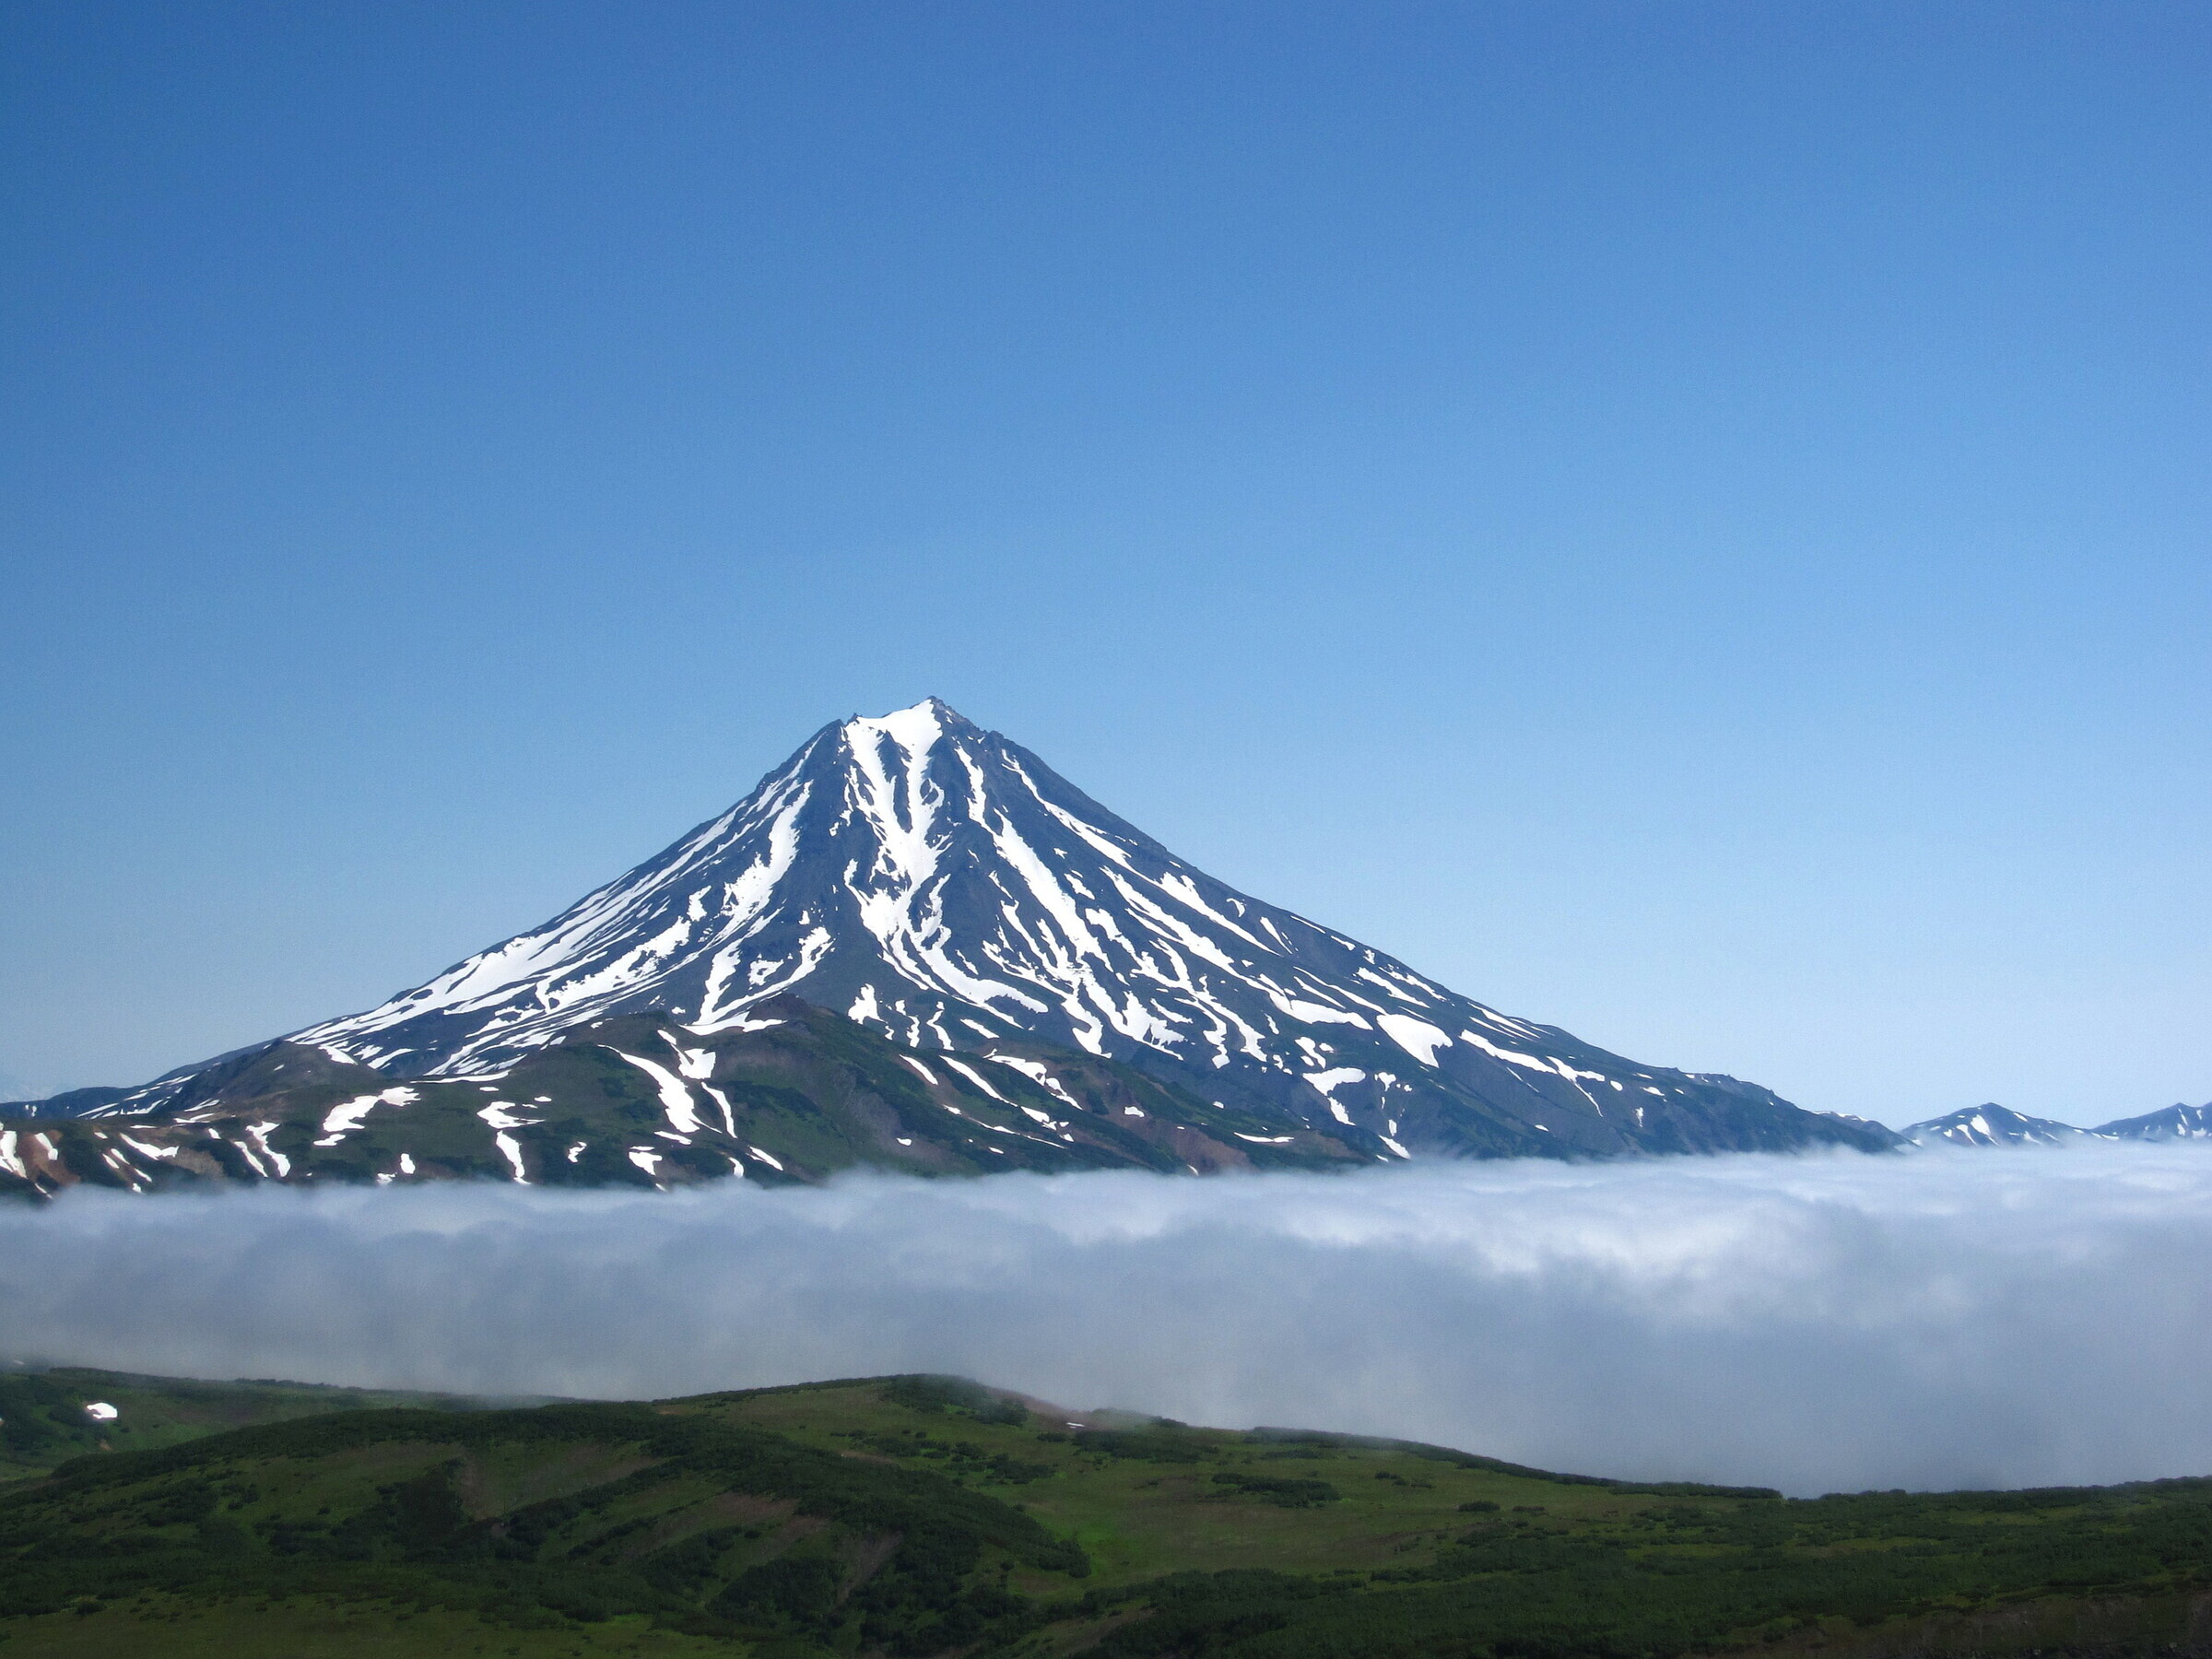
(1994, 1126)
(945, 888)
(2173, 1122)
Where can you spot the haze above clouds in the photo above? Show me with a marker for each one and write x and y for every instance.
(1938, 1320)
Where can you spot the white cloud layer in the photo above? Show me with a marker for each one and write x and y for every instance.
(1948, 1319)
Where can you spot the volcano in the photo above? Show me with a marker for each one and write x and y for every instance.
(944, 889)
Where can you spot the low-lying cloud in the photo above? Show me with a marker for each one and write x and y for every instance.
(1947, 1319)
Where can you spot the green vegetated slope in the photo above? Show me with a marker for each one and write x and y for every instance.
(44, 1421)
(796, 1095)
(914, 1516)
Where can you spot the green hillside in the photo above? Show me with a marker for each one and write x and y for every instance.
(913, 1516)
(43, 1420)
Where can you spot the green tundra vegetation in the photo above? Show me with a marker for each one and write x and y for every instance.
(913, 1516)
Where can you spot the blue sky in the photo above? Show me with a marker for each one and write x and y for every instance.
(1688, 522)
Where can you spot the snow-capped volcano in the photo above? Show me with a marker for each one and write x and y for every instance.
(944, 886)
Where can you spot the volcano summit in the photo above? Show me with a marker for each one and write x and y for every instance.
(984, 925)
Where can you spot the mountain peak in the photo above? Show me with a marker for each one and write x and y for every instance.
(916, 729)
(1990, 1125)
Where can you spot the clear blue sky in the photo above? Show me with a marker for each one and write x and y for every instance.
(1685, 521)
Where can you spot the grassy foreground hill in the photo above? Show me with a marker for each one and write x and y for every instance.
(915, 1516)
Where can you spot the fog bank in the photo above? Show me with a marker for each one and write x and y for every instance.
(1983, 1318)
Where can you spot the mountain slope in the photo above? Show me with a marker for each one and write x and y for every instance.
(792, 1093)
(74, 1102)
(2175, 1123)
(946, 890)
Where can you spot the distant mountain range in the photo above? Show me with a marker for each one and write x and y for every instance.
(1994, 1126)
(916, 947)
